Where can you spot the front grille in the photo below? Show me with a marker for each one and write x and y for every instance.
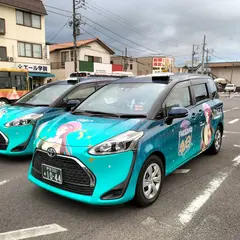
(75, 178)
(3, 142)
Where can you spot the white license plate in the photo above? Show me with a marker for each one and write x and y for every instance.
(52, 173)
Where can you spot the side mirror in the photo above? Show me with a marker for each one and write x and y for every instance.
(176, 112)
(72, 103)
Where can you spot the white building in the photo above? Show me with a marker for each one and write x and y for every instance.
(22, 38)
(92, 56)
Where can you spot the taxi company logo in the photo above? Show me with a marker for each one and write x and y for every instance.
(185, 138)
(51, 152)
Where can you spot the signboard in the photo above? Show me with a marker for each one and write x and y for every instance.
(158, 62)
(34, 68)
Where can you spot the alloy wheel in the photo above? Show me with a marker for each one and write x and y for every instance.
(151, 181)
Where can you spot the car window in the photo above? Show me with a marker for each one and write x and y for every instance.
(80, 93)
(123, 98)
(44, 95)
(179, 97)
(212, 88)
(201, 92)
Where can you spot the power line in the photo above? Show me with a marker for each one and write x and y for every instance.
(60, 29)
(122, 36)
(63, 10)
(123, 23)
(96, 37)
(100, 32)
(113, 38)
(114, 33)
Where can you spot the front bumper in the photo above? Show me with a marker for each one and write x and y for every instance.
(13, 138)
(110, 172)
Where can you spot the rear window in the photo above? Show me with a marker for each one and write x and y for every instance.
(200, 92)
(212, 88)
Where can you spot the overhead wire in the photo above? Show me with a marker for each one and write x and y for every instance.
(137, 44)
(55, 35)
(126, 25)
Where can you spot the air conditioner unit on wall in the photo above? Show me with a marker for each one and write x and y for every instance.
(10, 59)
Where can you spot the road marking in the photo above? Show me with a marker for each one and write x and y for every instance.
(4, 182)
(232, 132)
(149, 221)
(32, 232)
(237, 146)
(236, 161)
(187, 214)
(234, 121)
(181, 170)
(228, 110)
(224, 136)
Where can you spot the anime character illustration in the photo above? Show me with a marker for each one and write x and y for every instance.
(185, 137)
(2, 112)
(207, 130)
(59, 142)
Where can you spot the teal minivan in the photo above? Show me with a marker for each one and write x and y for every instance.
(19, 121)
(121, 142)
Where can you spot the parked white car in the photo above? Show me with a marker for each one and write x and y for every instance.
(230, 88)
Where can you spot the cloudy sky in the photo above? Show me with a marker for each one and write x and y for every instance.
(154, 26)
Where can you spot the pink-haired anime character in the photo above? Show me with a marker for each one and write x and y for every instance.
(207, 130)
(59, 142)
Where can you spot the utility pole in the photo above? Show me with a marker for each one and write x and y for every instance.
(203, 53)
(74, 37)
(75, 23)
(193, 54)
(232, 72)
(125, 61)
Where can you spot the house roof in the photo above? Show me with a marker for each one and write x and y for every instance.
(80, 43)
(29, 5)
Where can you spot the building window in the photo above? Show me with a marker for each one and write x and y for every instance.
(72, 56)
(28, 19)
(64, 56)
(29, 50)
(2, 26)
(3, 54)
(131, 67)
(93, 59)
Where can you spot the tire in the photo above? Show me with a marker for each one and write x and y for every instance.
(153, 162)
(217, 143)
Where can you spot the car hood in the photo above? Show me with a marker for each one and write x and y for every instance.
(10, 112)
(83, 131)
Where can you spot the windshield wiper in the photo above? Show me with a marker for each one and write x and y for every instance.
(30, 105)
(22, 104)
(132, 116)
(96, 113)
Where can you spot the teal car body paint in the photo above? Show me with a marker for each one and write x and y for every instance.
(19, 121)
(121, 142)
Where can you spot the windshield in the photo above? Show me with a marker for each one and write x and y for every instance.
(123, 99)
(44, 95)
(230, 85)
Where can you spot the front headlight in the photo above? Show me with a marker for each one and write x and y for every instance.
(28, 119)
(121, 143)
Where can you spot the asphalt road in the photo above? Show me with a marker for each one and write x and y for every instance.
(199, 203)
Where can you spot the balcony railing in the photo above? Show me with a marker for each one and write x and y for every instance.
(57, 65)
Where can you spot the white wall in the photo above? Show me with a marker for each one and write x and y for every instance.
(59, 74)
(223, 72)
(107, 68)
(15, 33)
(69, 68)
(95, 50)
